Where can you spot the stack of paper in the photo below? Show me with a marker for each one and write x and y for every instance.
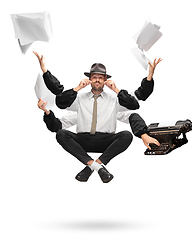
(43, 92)
(31, 27)
(145, 39)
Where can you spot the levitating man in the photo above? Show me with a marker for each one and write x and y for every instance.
(97, 113)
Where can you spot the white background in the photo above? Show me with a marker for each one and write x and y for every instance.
(150, 196)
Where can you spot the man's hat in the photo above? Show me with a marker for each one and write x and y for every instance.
(97, 68)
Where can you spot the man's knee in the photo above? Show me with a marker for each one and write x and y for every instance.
(61, 135)
(127, 137)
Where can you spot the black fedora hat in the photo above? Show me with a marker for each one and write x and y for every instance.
(97, 68)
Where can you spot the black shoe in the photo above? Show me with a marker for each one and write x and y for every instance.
(105, 175)
(84, 175)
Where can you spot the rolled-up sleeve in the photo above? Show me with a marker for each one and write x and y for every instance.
(145, 90)
(67, 99)
(127, 100)
(138, 125)
(52, 83)
(52, 123)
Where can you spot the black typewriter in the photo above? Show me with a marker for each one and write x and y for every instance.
(169, 137)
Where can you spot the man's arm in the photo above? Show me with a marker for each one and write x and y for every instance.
(139, 129)
(67, 98)
(125, 99)
(147, 84)
(52, 123)
(51, 81)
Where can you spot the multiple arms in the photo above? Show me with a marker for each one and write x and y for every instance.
(138, 126)
(66, 98)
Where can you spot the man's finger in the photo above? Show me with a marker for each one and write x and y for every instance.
(147, 145)
(36, 54)
(157, 143)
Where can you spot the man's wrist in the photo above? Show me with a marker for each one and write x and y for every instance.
(47, 112)
(143, 135)
(44, 70)
(116, 90)
(149, 77)
(76, 89)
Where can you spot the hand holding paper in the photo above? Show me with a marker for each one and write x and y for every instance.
(42, 92)
(42, 105)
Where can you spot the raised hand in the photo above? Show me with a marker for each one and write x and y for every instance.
(41, 62)
(152, 68)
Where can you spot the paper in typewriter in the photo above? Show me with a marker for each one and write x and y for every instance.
(31, 27)
(145, 39)
(43, 92)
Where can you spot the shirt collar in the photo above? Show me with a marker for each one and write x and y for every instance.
(90, 94)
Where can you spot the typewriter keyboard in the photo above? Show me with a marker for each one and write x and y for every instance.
(158, 150)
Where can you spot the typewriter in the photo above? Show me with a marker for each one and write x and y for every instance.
(170, 137)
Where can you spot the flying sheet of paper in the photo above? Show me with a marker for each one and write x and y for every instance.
(140, 56)
(147, 36)
(31, 27)
(43, 92)
(145, 39)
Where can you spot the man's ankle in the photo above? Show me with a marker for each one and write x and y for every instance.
(90, 162)
(98, 161)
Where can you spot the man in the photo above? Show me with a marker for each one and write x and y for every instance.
(54, 124)
(96, 117)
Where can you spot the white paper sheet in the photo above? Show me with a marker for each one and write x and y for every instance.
(145, 39)
(147, 36)
(31, 27)
(140, 56)
(43, 92)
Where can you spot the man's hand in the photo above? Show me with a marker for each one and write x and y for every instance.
(147, 139)
(84, 83)
(111, 84)
(152, 68)
(41, 61)
(41, 104)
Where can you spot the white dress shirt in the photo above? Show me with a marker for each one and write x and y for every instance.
(70, 118)
(108, 108)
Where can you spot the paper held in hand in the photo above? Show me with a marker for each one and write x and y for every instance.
(43, 92)
(31, 27)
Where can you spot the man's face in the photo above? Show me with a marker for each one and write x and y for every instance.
(97, 81)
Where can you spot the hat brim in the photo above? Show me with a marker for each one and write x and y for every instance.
(89, 74)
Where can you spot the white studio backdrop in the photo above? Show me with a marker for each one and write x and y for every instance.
(150, 196)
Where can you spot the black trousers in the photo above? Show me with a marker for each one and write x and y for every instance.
(109, 144)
